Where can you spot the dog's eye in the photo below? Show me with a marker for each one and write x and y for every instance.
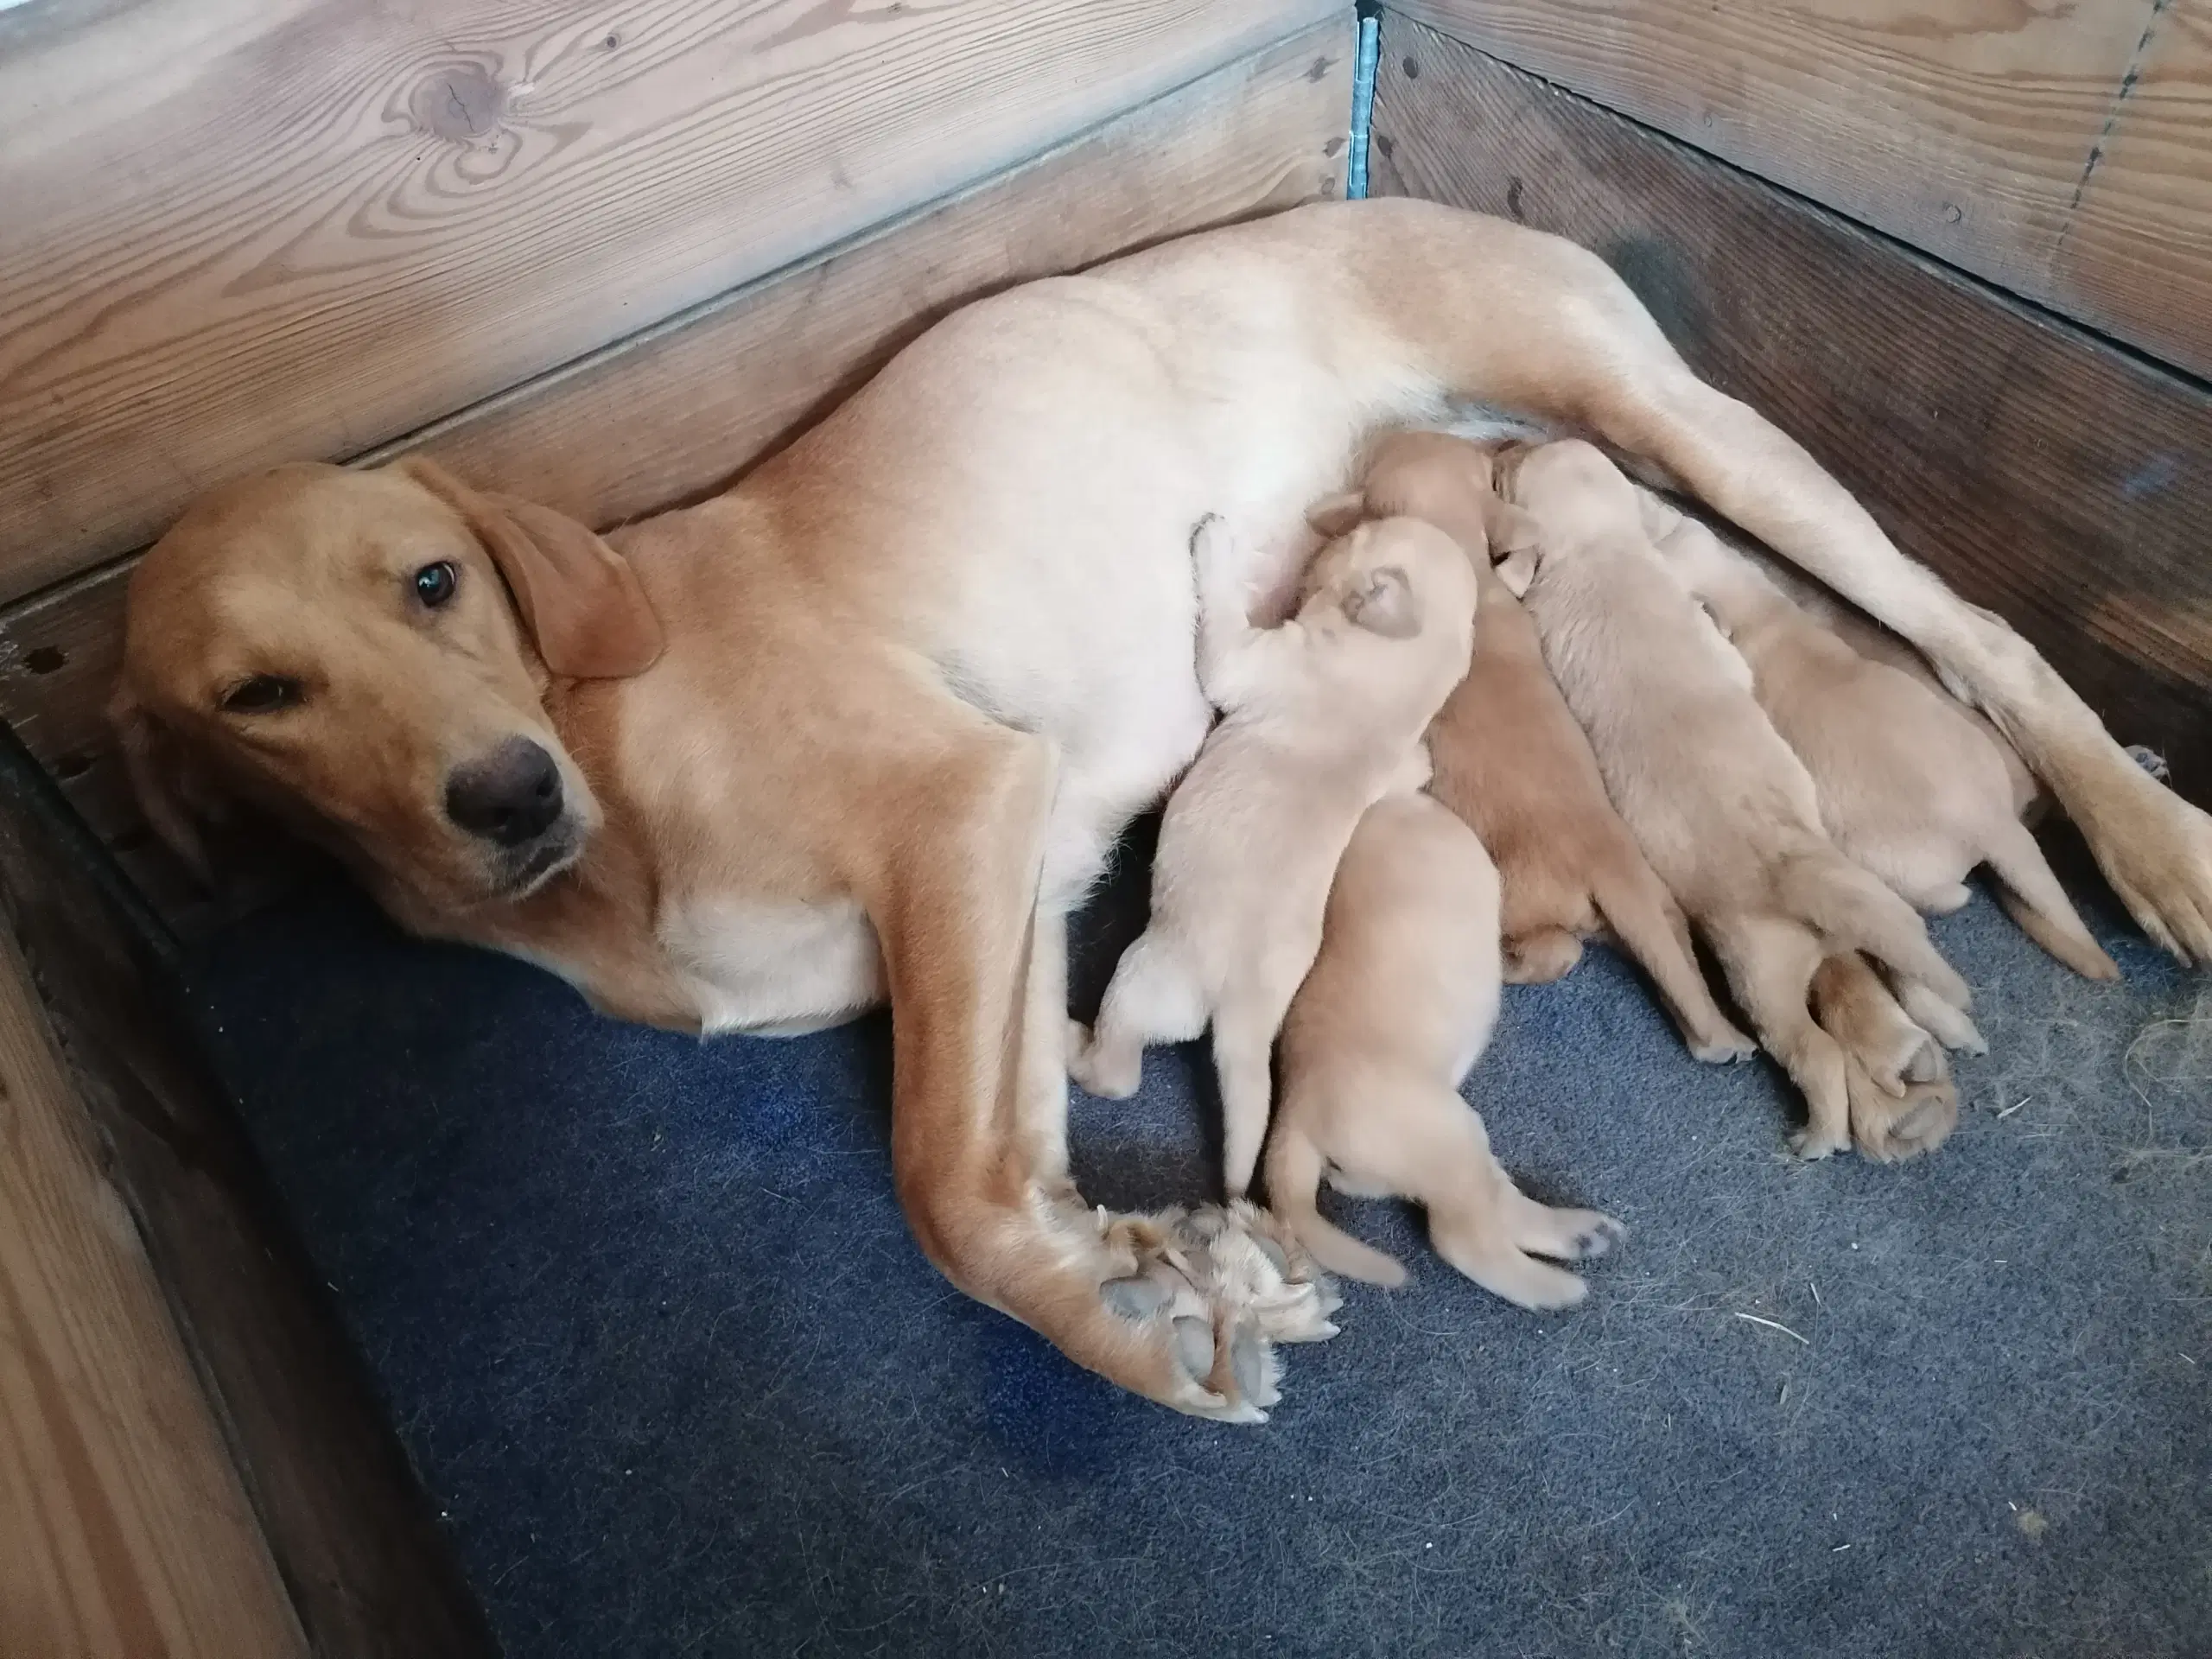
(434, 583)
(262, 694)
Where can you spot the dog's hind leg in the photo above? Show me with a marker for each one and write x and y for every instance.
(1644, 916)
(1770, 962)
(1483, 1224)
(1541, 956)
(1499, 315)
(1949, 1025)
(1244, 1029)
(1153, 997)
(1902, 1102)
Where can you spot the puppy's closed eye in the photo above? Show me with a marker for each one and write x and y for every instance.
(1385, 604)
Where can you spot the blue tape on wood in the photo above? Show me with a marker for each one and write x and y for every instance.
(1363, 106)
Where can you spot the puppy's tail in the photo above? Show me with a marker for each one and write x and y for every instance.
(2032, 896)
(1294, 1184)
(1851, 908)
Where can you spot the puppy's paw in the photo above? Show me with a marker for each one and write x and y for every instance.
(1097, 1072)
(1890, 1129)
(1725, 1046)
(1813, 1142)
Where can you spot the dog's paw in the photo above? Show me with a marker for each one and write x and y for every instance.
(1097, 1072)
(1725, 1046)
(1222, 1288)
(2156, 850)
(1813, 1142)
(1892, 1128)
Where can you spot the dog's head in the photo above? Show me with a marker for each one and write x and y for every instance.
(1443, 481)
(366, 654)
(1571, 490)
(1390, 577)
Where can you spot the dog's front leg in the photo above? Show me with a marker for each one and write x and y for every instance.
(1182, 1308)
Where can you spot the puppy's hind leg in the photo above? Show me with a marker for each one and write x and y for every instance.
(1153, 997)
(1903, 1102)
(1541, 956)
(1770, 962)
(1244, 1029)
(1935, 1015)
(1644, 916)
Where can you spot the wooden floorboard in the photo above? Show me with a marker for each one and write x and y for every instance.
(240, 231)
(677, 411)
(2049, 476)
(124, 1532)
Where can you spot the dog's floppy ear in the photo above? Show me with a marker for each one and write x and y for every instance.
(1385, 604)
(583, 605)
(173, 794)
(1337, 515)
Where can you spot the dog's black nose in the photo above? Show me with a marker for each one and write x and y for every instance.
(513, 795)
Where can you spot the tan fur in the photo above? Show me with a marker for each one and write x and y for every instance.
(1398, 1007)
(1907, 785)
(1724, 810)
(1509, 760)
(923, 667)
(1903, 1100)
(1319, 716)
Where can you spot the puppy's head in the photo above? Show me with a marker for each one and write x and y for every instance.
(366, 654)
(1571, 490)
(1391, 577)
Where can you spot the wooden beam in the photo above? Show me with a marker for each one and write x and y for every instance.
(2137, 256)
(2056, 150)
(2047, 475)
(676, 412)
(370, 1573)
(241, 231)
(123, 1531)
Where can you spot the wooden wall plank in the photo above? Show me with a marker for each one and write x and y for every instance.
(2062, 151)
(244, 230)
(2137, 255)
(347, 1524)
(672, 415)
(2047, 475)
(123, 1531)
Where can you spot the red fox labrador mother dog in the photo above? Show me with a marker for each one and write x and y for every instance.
(868, 724)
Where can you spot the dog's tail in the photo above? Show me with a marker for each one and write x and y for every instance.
(1294, 1184)
(1851, 908)
(2031, 895)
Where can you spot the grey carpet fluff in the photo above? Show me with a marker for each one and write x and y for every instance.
(649, 1322)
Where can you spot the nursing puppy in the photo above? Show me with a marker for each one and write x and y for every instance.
(1398, 1006)
(1726, 814)
(1319, 717)
(1509, 760)
(1907, 787)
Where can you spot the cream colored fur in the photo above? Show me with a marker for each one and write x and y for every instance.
(1398, 1007)
(921, 669)
(1726, 814)
(1319, 716)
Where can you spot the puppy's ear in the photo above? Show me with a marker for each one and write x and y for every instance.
(175, 796)
(585, 609)
(1517, 569)
(1385, 604)
(1337, 515)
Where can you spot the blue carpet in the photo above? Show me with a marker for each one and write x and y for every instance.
(647, 1319)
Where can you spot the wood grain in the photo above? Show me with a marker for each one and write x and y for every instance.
(349, 1529)
(245, 230)
(123, 1531)
(2047, 475)
(1979, 130)
(673, 414)
(2136, 258)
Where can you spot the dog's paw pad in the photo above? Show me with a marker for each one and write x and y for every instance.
(1138, 1297)
(1811, 1144)
(1594, 1236)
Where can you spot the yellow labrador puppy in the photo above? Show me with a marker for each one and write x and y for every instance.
(1319, 716)
(1509, 760)
(1725, 811)
(1398, 1007)
(1907, 787)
